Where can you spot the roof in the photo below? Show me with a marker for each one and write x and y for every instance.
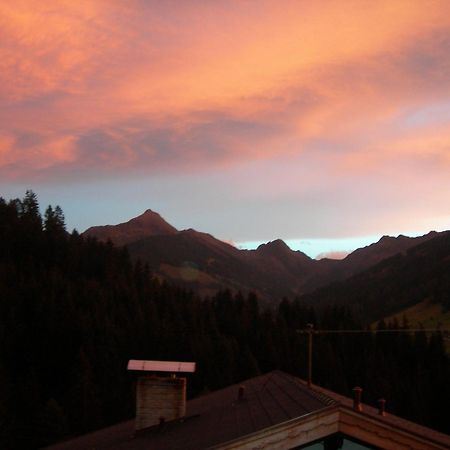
(274, 406)
(216, 417)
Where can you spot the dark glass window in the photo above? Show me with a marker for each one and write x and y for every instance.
(337, 442)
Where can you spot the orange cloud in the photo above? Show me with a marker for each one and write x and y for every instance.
(103, 86)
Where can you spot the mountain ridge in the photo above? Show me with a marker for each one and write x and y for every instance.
(419, 274)
(272, 270)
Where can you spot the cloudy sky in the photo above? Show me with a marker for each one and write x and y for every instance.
(325, 123)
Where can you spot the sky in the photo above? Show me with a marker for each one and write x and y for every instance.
(323, 123)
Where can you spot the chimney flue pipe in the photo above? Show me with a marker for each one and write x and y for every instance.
(357, 405)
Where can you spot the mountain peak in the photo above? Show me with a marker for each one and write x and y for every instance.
(149, 223)
(148, 214)
(280, 249)
(391, 240)
(277, 244)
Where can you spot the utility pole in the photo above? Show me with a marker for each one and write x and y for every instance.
(309, 330)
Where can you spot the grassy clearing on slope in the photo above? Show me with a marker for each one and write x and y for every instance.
(424, 314)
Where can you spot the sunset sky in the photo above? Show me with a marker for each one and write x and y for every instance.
(324, 123)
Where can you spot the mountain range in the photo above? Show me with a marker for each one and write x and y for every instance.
(199, 261)
(419, 275)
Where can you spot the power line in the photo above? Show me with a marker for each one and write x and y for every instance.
(397, 330)
(310, 331)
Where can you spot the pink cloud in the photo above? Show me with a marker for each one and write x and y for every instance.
(104, 87)
(332, 255)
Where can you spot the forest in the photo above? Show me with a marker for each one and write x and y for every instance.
(73, 311)
(405, 279)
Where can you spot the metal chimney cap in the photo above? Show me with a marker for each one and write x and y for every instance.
(161, 366)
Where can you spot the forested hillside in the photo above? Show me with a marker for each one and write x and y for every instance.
(422, 273)
(74, 310)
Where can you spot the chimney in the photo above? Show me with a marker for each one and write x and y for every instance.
(382, 407)
(159, 398)
(357, 405)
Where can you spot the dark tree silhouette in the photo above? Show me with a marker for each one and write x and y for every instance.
(74, 310)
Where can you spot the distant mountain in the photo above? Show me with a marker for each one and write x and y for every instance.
(192, 258)
(206, 264)
(386, 247)
(147, 224)
(417, 275)
(281, 252)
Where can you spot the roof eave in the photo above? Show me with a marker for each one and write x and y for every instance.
(317, 425)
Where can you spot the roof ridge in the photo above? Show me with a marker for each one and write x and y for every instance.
(321, 396)
(311, 390)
